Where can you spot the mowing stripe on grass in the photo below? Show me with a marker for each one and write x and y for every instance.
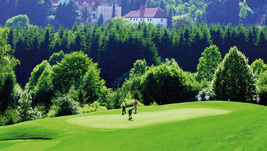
(144, 119)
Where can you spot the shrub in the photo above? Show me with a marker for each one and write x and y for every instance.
(42, 109)
(66, 106)
(115, 99)
(154, 104)
(206, 91)
(95, 106)
(262, 83)
(24, 110)
(129, 100)
(263, 95)
(9, 117)
(53, 111)
(166, 84)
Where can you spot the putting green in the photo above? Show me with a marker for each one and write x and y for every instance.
(143, 119)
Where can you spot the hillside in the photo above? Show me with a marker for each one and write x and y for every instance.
(185, 126)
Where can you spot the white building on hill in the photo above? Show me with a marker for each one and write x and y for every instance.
(148, 15)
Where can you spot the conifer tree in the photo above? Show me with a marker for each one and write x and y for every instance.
(169, 21)
(208, 63)
(100, 20)
(114, 9)
(234, 79)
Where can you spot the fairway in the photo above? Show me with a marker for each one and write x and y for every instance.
(213, 125)
(143, 119)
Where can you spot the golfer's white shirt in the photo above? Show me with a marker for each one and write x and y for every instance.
(123, 103)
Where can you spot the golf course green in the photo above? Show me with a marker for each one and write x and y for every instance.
(211, 125)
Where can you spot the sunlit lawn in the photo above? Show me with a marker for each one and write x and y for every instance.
(213, 125)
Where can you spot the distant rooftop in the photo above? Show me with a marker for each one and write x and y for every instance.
(146, 13)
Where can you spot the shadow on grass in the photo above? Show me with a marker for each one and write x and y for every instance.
(32, 138)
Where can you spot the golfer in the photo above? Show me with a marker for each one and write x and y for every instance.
(258, 100)
(123, 108)
(207, 97)
(199, 98)
(130, 113)
(135, 106)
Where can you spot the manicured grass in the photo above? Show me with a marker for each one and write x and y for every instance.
(213, 125)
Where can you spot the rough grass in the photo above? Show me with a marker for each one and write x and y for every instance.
(239, 126)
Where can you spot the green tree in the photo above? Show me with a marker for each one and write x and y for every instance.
(25, 110)
(100, 20)
(7, 74)
(169, 19)
(18, 21)
(164, 84)
(114, 9)
(258, 66)
(56, 57)
(139, 68)
(44, 89)
(234, 79)
(92, 86)
(70, 70)
(244, 9)
(67, 13)
(262, 83)
(85, 15)
(36, 73)
(208, 63)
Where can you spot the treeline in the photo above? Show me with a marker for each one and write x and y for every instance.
(118, 45)
(70, 82)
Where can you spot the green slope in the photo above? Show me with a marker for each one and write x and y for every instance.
(184, 126)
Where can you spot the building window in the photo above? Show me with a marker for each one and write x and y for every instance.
(161, 20)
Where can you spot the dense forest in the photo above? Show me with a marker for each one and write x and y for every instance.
(117, 46)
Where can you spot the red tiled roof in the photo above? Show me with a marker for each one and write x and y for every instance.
(146, 13)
